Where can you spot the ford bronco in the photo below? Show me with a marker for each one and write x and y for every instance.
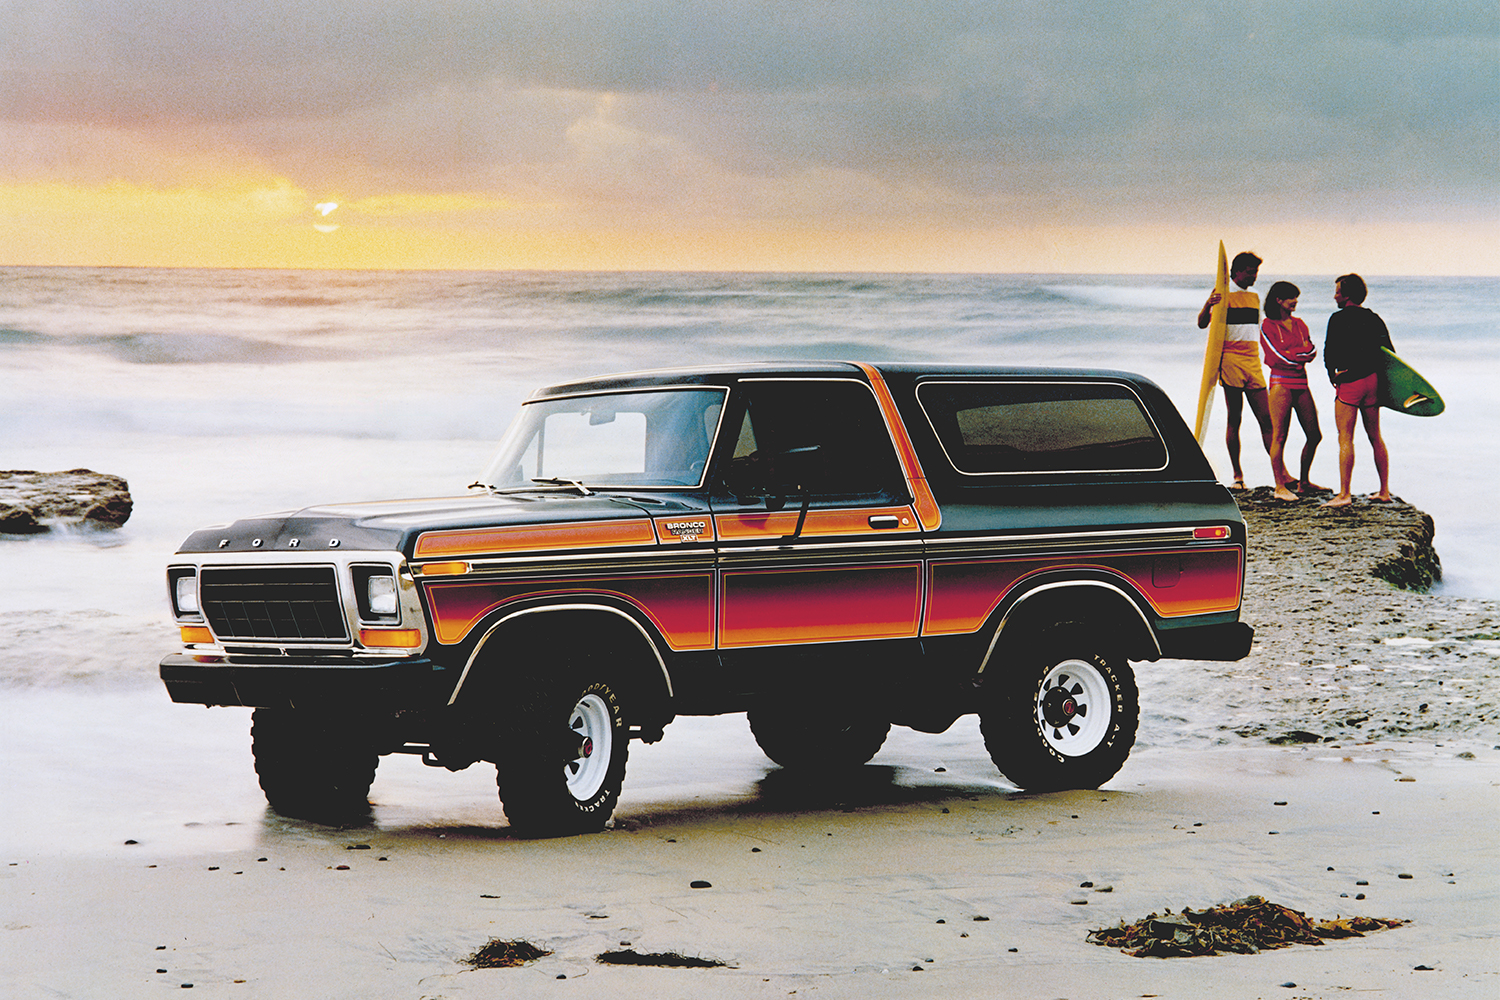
(833, 548)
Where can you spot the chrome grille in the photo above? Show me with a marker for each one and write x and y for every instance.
(283, 603)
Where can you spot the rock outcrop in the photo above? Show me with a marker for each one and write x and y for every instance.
(1393, 539)
(1342, 651)
(35, 502)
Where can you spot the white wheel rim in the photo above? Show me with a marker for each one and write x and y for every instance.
(1074, 708)
(590, 722)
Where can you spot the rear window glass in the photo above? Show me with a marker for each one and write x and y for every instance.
(993, 427)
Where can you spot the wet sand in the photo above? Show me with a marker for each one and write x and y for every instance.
(838, 889)
(909, 882)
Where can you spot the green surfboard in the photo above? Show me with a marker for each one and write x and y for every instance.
(1403, 390)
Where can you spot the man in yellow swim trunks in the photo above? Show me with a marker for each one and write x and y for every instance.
(1240, 372)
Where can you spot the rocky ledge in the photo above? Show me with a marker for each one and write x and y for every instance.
(1350, 644)
(35, 502)
(1394, 540)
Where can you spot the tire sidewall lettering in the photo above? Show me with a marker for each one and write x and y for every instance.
(606, 693)
(1116, 705)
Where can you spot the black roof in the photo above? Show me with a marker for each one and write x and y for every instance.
(904, 371)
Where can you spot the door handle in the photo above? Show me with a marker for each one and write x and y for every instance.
(884, 521)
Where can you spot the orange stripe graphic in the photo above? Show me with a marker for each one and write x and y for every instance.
(762, 524)
(916, 480)
(680, 605)
(962, 595)
(776, 608)
(550, 537)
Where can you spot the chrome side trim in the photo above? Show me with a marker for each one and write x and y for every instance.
(1062, 584)
(480, 646)
(780, 562)
(1055, 539)
(615, 563)
(672, 560)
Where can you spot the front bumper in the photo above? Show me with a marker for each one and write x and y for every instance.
(273, 682)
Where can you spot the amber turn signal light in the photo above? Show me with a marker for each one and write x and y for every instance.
(192, 634)
(387, 638)
(444, 569)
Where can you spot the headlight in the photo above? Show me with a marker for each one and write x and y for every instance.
(381, 595)
(375, 591)
(185, 592)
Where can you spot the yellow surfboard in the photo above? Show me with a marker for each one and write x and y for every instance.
(1213, 352)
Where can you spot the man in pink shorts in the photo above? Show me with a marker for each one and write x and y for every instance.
(1351, 352)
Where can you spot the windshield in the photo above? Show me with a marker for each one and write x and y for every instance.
(658, 438)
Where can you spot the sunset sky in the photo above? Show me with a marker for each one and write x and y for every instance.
(1093, 136)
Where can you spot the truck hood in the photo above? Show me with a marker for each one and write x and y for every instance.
(389, 525)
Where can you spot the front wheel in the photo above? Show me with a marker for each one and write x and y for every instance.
(1066, 717)
(313, 766)
(564, 762)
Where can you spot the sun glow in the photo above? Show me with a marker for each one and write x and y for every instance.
(264, 222)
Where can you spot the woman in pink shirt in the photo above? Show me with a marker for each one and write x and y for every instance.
(1288, 348)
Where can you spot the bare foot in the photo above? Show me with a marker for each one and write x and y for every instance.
(1282, 493)
(1238, 484)
(1342, 500)
(1308, 486)
(1380, 497)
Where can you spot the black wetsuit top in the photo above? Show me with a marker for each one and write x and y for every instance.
(1351, 351)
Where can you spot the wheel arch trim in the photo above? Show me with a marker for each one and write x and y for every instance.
(490, 633)
(1058, 585)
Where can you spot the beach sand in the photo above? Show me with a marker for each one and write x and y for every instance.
(925, 874)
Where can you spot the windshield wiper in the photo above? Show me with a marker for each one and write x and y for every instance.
(557, 481)
(571, 484)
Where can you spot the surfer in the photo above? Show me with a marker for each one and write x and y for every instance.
(1239, 366)
(1351, 353)
(1288, 348)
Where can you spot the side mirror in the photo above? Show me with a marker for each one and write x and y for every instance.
(774, 477)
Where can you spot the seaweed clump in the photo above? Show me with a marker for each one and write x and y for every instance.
(668, 960)
(1246, 926)
(505, 955)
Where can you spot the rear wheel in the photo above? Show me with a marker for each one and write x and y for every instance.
(826, 733)
(1066, 716)
(564, 759)
(313, 766)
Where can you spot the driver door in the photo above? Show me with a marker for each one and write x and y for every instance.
(817, 539)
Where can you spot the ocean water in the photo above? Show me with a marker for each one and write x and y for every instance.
(222, 394)
(225, 393)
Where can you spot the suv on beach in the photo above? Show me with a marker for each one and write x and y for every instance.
(833, 548)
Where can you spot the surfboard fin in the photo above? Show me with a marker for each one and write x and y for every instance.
(1414, 399)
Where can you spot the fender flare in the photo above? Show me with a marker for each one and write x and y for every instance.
(1065, 585)
(490, 632)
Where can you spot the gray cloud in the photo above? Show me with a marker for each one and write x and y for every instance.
(732, 106)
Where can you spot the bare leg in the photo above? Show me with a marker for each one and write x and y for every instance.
(1343, 418)
(1371, 415)
(1281, 420)
(1234, 407)
(1261, 407)
(1307, 416)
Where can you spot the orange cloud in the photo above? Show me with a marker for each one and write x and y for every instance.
(271, 222)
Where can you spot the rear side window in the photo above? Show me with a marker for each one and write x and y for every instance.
(1038, 427)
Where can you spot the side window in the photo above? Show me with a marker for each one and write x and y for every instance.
(997, 427)
(826, 437)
